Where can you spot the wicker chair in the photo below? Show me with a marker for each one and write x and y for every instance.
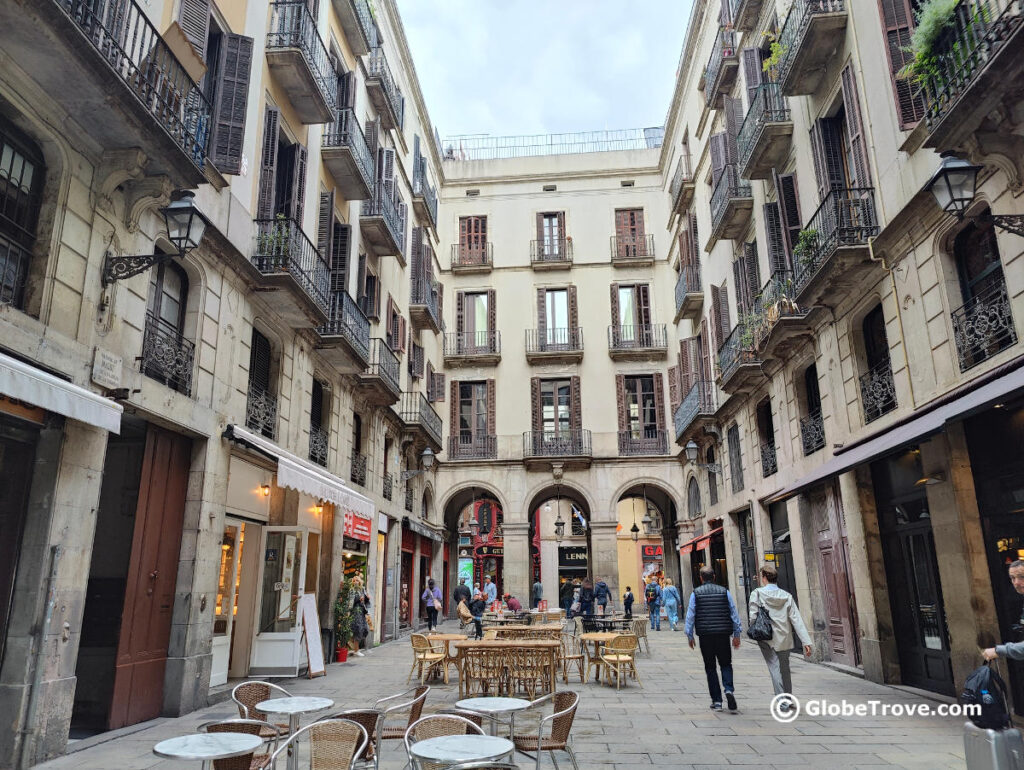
(436, 726)
(473, 716)
(333, 743)
(411, 700)
(577, 624)
(619, 656)
(248, 694)
(529, 670)
(428, 657)
(370, 719)
(571, 655)
(483, 671)
(640, 631)
(565, 703)
(252, 760)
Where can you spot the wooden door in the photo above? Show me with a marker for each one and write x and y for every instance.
(152, 573)
(833, 571)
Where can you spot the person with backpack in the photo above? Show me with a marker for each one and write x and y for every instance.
(1011, 650)
(652, 595)
(712, 615)
(784, 617)
(627, 602)
(601, 594)
(673, 601)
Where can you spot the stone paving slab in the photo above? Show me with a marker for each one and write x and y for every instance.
(666, 723)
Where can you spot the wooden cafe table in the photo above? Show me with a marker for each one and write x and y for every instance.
(596, 639)
(449, 659)
(499, 649)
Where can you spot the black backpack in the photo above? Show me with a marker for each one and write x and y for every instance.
(651, 593)
(985, 688)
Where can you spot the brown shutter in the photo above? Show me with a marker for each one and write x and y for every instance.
(575, 403)
(542, 318)
(460, 313)
(898, 24)
(492, 428)
(373, 142)
(439, 378)
(341, 250)
(777, 256)
(540, 231)
(299, 184)
(855, 129)
(716, 317)
(723, 308)
(694, 239)
(684, 250)
(674, 386)
(718, 147)
(820, 169)
(704, 353)
(440, 303)
(752, 73)
(643, 305)
(620, 401)
(232, 94)
(194, 19)
(753, 273)
(739, 269)
(826, 145)
(492, 320)
(659, 400)
(268, 163)
(789, 209)
(416, 255)
(684, 369)
(453, 411)
(536, 405)
(325, 224)
(615, 307)
(733, 121)
(574, 312)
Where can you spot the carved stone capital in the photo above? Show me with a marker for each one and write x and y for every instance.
(147, 193)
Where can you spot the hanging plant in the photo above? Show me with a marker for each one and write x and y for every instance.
(806, 246)
(933, 17)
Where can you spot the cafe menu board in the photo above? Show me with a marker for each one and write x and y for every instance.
(311, 629)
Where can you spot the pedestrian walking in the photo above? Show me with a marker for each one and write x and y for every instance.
(652, 595)
(565, 596)
(627, 602)
(477, 607)
(601, 594)
(490, 590)
(462, 592)
(712, 615)
(587, 597)
(431, 599)
(537, 595)
(786, 621)
(673, 601)
(1011, 650)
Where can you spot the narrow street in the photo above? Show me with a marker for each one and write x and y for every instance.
(667, 723)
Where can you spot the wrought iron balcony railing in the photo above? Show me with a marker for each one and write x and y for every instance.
(554, 340)
(572, 442)
(408, 497)
(293, 26)
(421, 188)
(122, 33)
(380, 205)
(261, 412)
(345, 131)
(680, 179)
(416, 410)
(773, 303)
(637, 337)
(166, 355)
(983, 326)
(769, 460)
(737, 350)
(974, 34)
(877, 391)
(688, 282)
(724, 48)
(466, 255)
(643, 441)
(366, 24)
(801, 14)
(378, 69)
(551, 250)
(318, 442)
(729, 187)
(812, 432)
(472, 343)
(347, 319)
(632, 247)
(469, 447)
(281, 247)
(384, 364)
(427, 293)
(699, 400)
(767, 105)
(845, 218)
(387, 486)
(357, 472)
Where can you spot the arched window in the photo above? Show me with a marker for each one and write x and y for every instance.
(21, 186)
(166, 355)
(693, 499)
(261, 409)
(877, 389)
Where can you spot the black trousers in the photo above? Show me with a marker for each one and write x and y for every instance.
(715, 649)
(431, 617)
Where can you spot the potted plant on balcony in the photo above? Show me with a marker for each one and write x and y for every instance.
(933, 17)
(273, 241)
(343, 620)
(776, 52)
(806, 245)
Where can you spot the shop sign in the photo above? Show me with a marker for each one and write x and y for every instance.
(769, 555)
(572, 556)
(652, 552)
(465, 553)
(106, 369)
(466, 571)
(490, 550)
(356, 527)
(421, 529)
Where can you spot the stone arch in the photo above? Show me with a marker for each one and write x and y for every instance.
(658, 484)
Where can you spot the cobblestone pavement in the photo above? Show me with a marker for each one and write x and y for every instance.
(667, 723)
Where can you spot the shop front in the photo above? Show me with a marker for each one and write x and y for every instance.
(706, 550)
(652, 557)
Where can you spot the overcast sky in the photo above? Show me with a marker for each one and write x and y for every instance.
(509, 67)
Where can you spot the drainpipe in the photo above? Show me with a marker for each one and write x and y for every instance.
(899, 315)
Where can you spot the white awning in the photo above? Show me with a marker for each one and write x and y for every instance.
(24, 382)
(303, 476)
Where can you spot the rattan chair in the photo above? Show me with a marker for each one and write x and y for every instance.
(577, 624)
(473, 716)
(370, 719)
(428, 657)
(529, 670)
(248, 694)
(482, 670)
(571, 655)
(640, 632)
(333, 744)
(557, 738)
(252, 760)
(619, 656)
(411, 701)
(436, 726)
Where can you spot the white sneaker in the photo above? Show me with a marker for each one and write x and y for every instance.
(360, 653)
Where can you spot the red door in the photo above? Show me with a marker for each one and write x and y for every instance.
(152, 572)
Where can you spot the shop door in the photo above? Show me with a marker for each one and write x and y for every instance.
(228, 582)
(405, 606)
(834, 573)
(276, 647)
(152, 573)
(748, 555)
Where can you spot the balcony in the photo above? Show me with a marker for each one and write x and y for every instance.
(358, 24)
(683, 185)
(551, 254)
(766, 134)
(744, 14)
(109, 68)
(424, 197)
(472, 348)
(812, 433)
(646, 342)
(571, 447)
(551, 346)
(983, 327)
(420, 419)
(345, 153)
(877, 391)
(387, 486)
(831, 254)
(298, 60)
(468, 447)
(318, 445)
(379, 384)
(724, 65)
(976, 74)
(424, 305)
(777, 322)
(261, 412)
(809, 38)
(167, 356)
(384, 91)
(731, 205)
(769, 460)
(643, 442)
(696, 411)
(382, 226)
(472, 259)
(294, 271)
(632, 251)
(738, 364)
(357, 471)
(689, 294)
(345, 338)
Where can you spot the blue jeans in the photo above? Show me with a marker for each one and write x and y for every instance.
(655, 613)
(586, 608)
(714, 648)
(673, 614)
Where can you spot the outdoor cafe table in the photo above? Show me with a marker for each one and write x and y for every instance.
(447, 639)
(492, 706)
(456, 749)
(294, 707)
(597, 638)
(499, 645)
(207, 747)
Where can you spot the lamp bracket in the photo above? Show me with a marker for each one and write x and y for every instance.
(1011, 223)
(406, 475)
(117, 268)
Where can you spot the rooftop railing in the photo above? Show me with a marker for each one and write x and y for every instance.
(482, 147)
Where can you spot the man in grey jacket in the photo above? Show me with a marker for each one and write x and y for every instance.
(786, 622)
(1014, 650)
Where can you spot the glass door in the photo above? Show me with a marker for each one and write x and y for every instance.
(276, 647)
(224, 611)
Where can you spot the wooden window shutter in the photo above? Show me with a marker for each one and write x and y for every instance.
(684, 250)
(492, 315)
(440, 303)
(536, 405)
(231, 100)
(492, 427)
(542, 318)
(706, 372)
(402, 331)
(540, 227)
(373, 141)
(718, 147)
(898, 25)
(643, 305)
(362, 285)
(347, 90)
(674, 388)
(341, 250)
(268, 163)
(789, 209)
(194, 19)
(659, 400)
(298, 185)
(439, 378)
(430, 381)
(753, 273)
(620, 401)
(576, 403)
(739, 269)
(574, 311)
(453, 410)
(325, 224)
(752, 72)
(777, 254)
(733, 121)
(416, 254)
(716, 316)
(827, 150)
(460, 313)
(723, 308)
(615, 305)
(694, 239)
(855, 129)
(260, 356)
(684, 369)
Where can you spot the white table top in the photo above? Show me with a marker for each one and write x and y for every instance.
(462, 748)
(496, 705)
(300, 704)
(206, 746)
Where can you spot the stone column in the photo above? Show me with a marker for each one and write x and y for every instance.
(604, 556)
(516, 575)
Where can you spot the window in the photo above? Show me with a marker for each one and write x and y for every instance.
(472, 239)
(166, 354)
(812, 426)
(632, 315)
(472, 412)
(556, 402)
(475, 321)
(551, 235)
(261, 409)
(766, 434)
(556, 309)
(416, 361)
(629, 233)
(837, 146)
(693, 507)
(21, 182)
(983, 326)
(641, 414)
(735, 458)
(898, 24)
(878, 391)
(319, 417)
(282, 175)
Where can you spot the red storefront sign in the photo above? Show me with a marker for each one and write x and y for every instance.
(652, 552)
(357, 527)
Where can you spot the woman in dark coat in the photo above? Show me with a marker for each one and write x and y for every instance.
(360, 608)
(587, 598)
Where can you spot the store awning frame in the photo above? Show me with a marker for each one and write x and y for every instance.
(422, 529)
(699, 543)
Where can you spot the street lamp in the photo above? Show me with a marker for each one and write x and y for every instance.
(692, 450)
(634, 531)
(954, 186)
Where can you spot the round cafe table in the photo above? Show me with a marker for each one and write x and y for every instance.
(491, 707)
(206, 747)
(294, 707)
(596, 639)
(455, 749)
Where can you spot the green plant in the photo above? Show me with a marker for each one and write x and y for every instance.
(806, 245)
(776, 52)
(274, 240)
(343, 614)
(932, 18)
